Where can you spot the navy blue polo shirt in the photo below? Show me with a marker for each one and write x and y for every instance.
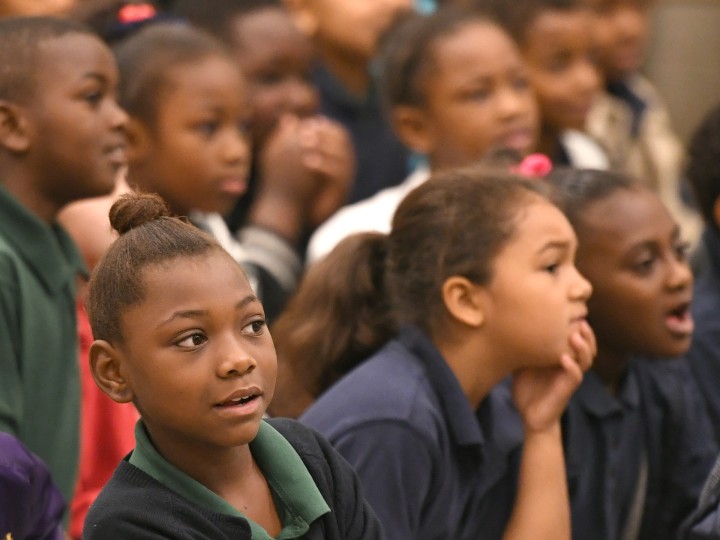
(430, 465)
(704, 353)
(381, 160)
(657, 417)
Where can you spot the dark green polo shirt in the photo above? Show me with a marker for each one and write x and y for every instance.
(297, 498)
(39, 380)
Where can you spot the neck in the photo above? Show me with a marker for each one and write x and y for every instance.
(474, 368)
(611, 368)
(22, 187)
(353, 72)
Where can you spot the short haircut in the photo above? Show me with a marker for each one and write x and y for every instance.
(21, 43)
(217, 16)
(518, 15)
(703, 169)
(148, 236)
(406, 51)
(573, 190)
(145, 59)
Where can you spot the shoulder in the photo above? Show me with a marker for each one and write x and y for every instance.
(372, 214)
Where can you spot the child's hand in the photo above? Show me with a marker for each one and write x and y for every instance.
(541, 394)
(328, 154)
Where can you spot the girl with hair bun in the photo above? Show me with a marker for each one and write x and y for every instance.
(180, 333)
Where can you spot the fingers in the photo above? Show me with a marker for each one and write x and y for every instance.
(584, 346)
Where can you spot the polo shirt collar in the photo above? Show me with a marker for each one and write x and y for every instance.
(287, 475)
(456, 409)
(48, 250)
(595, 398)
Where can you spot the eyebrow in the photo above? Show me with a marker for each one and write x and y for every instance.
(555, 244)
(194, 313)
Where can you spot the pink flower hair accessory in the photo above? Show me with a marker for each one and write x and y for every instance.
(534, 165)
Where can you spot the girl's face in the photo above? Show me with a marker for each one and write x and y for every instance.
(276, 60)
(477, 97)
(559, 50)
(632, 253)
(197, 356)
(622, 31)
(536, 298)
(196, 156)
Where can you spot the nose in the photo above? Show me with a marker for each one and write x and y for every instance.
(586, 77)
(679, 274)
(234, 359)
(581, 288)
(513, 102)
(117, 115)
(236, 146)
(301, 97)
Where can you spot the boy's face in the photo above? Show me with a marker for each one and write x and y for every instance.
(537, 298)
(196, 156)
(348, 28)
(632, 253)
(275, 59)
(477, 97)
(560, 52)
(197, 355)
(77, 128)
(621, 31)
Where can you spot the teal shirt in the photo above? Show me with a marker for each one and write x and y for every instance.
(39, 376)
(297, 498)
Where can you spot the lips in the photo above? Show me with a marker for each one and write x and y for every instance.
(518, 139)
(679, 321)
(116, 154)
(233, 185)
(242, 402)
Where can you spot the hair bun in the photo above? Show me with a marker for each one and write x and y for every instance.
(134, 209)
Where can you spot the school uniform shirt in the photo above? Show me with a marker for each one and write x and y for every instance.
(373, 214)
(431, 466)
(704, 353)
(39, 379)
(704, 523)
(381, 160)
(316, 494)
(30, 504)
(637, 461)
(577, 150)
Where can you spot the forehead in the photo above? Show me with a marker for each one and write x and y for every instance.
(260, 29)
(560, 28)
(538, 224)
(212, 77)
(73, 57)
(476, 42)
(624, 218)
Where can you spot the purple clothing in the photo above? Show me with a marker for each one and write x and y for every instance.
(31, 507)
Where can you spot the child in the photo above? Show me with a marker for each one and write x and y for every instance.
(556, 40)
(637, 436)
(345, 34)
(291, 142)
(196, 359)
(31, 507)
(188, 142)
(631, 120)
(480, 276)
(703, 172)
(457, 89)
(62, 140)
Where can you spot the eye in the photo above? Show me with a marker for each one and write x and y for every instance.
(255, 328)
(208, 128)
(521, 83)
(553, 268)
(681, 250)
(645, 264)
(192, 341)
(93, 97)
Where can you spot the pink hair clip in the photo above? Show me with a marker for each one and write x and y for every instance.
(132, 13)
(534, 165)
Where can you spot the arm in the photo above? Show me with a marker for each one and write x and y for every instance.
(542, 507)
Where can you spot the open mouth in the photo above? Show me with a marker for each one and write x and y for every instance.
(679, 321)
(239, 401)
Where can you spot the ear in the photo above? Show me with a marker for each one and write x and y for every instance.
(14, 127)
(107, 370)
(463, 300)
(303, 16)
(412, 126)
(716, 212)
(139, 141)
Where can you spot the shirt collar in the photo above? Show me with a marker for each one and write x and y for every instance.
(595, 398)
(47, 249)
(280, 463)
(456, 408)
